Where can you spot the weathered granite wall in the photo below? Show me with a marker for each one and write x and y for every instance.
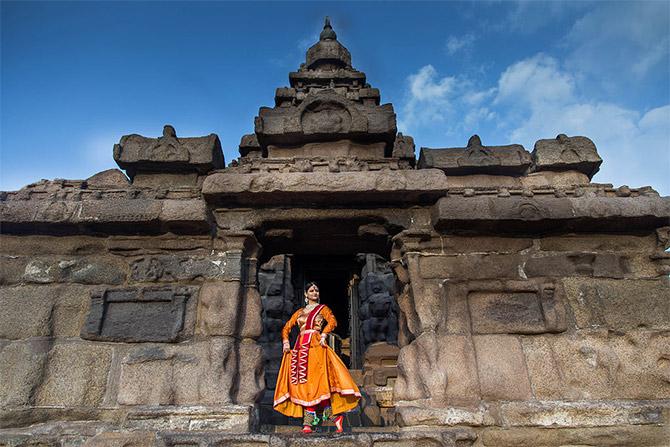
(97, 327)
(567, 331)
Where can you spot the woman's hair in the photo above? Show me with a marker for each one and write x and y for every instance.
(310, 285)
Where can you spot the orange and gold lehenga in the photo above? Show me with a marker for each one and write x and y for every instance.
(312, 374)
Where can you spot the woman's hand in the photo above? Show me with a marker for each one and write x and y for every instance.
(323, 340)
(286, 347)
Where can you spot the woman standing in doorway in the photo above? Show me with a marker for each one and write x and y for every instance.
(311, 375)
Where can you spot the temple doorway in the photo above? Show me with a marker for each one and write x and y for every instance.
(360, 290)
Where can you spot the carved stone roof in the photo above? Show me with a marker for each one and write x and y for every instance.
(327, 101)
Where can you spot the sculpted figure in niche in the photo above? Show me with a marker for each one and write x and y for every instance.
(312, 377)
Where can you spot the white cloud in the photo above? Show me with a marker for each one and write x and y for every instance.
(434, 100)
(535, 81)
(621, 38)
(535, 98)
(463, 43)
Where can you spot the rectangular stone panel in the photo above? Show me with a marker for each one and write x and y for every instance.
(138, 314)
(505, 312)
(505, 307)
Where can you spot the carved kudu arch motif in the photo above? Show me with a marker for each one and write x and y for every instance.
(329, 113)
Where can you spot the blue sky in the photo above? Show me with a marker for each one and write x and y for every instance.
(76, 76)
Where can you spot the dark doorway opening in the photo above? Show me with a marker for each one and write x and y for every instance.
(333, 274)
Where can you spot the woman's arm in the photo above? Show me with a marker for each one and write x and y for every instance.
(287, 329)
(327, 315)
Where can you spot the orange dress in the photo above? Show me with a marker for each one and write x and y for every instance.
(311, 373)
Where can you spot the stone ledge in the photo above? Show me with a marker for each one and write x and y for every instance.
(547, 414)
(227, 418)
(293, 188)
(115, 215)
(547, 213)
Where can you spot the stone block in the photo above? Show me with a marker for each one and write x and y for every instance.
(163, 314)
(422, 303)
(110, 178)
(566, 153)
(136, 211)
(217, 371)
(644, 371)
(587, 363)
(219, 309)
(76, 375)
(37, 311)
(623, 435)
(251, 381)
(477, 159)
(11, 269)
(192, 213)
(455, 382)
(22, 366)
(619, 304)
(325, 112)
(321, 187)
(598, 243)
(545, 376)
(544, 213)
(520, 312)
(46, 245)
(599, 265)
(89, 270)
(168, 153)
(471, 266)
(170, 268)
(218, 418)
(501, 368)
(409, 415)
(25, 312)
(156, 375)
(582, 414)
(123, 439)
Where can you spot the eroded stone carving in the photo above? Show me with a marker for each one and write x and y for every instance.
(566, 153)
(477, 159)
(168, 153)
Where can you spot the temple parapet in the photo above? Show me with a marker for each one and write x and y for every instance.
(142, 156)
(476, 158)
(565, 153)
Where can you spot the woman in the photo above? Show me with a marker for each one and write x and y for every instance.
(311, 375)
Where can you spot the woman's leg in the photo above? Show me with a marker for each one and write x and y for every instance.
(309, 419)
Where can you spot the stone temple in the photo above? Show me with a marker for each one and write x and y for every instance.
(486, 295)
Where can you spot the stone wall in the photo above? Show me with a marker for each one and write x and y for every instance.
(96, 327)
(548, 331)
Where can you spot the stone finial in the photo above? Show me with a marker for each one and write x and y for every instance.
(475, 141)
(169, 131)
(327, 33)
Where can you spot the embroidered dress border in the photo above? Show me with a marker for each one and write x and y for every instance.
(347, 392)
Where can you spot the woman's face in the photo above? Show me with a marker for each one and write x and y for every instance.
(312, 293)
